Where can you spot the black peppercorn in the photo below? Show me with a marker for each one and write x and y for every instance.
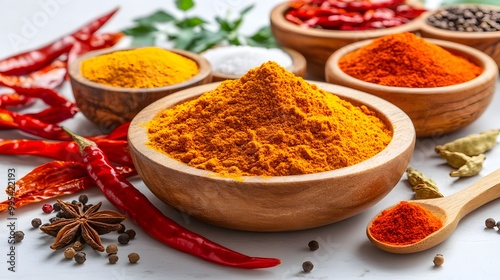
(466, 19)
(18, 236)
(83, 199)
(36, 222)
(56, 206)
(313, 245)
(131, 233)
(307, 266)
(80, 257)
(123, 238)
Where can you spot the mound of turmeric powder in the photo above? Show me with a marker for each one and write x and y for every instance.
(146, 67)
(269, 122)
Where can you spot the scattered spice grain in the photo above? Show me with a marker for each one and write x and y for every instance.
(111, 249)
(405, 223)
(83, 198)
(307, 266)
(36, 222)
(438, 260)
(146, 67)
(78, 245)
(18, 236)
(80, 257)
(268, 122)
(405, 60)
(56, 207)
(123, 238)
(131, 233)
(313, 245)
(133, 257)
(47, 208)
(490, 223)
(69, 253)
(113, 258)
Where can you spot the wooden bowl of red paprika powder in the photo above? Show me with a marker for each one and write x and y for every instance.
(118, 83)
(271, 203)
(427, 85)
(318, 42)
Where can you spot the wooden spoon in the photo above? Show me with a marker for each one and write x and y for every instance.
(451, 209)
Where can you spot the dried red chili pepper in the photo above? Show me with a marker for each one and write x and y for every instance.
(126, 198)
(14, 100)
(120, 132)
(96, 41)
(116, 150)
(29, 61)
(74, 179)
(50, 76)
(351, 14)
(9, 120)
(54, 115)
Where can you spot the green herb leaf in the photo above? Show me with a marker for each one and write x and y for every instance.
(140, 30)
(207, 39)
(146, 40)
(185, 39)
(246, 10)
(184, 5)
(157, 17)
(190, 22)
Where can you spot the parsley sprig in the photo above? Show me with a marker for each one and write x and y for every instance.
(194, 33)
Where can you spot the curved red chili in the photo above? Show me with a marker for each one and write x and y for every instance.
(126, 198)
(116, 150)
(29, 61)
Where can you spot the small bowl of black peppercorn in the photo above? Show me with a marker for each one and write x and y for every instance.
(474, 25)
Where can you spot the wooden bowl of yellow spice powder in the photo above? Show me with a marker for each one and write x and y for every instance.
(111, 86)
(270, 151)
(442, 86)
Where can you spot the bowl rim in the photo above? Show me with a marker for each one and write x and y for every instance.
(298, 64)
(204, 66)
(427, 28)
(404, 136)
(278, 20)
(490, 69)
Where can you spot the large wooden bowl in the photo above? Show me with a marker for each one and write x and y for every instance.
(281, 203)
(317, 44)
(487, 42)
(108, 106)
(434, 111)
(298, 67)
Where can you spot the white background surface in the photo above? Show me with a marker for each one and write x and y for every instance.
(345, 252)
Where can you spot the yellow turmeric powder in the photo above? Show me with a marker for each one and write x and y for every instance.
(146, 67)
(269, 122)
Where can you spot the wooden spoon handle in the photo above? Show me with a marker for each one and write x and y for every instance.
(481, 192)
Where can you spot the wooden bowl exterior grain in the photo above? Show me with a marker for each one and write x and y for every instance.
(487, 42)
(281, 203)
(108, 106)
(434, 111)
(298, 67)
(317, 45)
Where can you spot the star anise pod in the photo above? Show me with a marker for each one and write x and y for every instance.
(89, 225)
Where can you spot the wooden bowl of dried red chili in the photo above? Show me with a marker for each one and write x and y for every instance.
(474, 25)
(434, 110)
(109, 106)
(274, 203)
(335, 30)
